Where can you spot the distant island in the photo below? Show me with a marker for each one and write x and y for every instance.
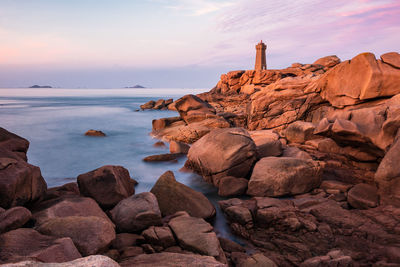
(40, 86)
(136, 86)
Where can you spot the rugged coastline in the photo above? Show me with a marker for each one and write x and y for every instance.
(314, 147)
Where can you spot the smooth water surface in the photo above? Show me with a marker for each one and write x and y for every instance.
(55, 120)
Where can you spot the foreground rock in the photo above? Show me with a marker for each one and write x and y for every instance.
(274, 176)
(14, 218)
(90, 234)
(136, 213)
(97, 133)
(196, 235)
(13, 145)
(107, 185)
(221, 153)
(27, 243)
(191, 108)
(167, 259)
(96, 260)
(173, 196)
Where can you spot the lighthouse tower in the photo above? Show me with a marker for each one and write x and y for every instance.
(261, 61)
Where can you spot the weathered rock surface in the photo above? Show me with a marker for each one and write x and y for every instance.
(136, 213)
(363, 196)
(232, 186)
(14, 218)
(167, 259)
(329, 61)
(95, 261)
(14, 144)
(159, 236)
(90, 234)
(392, 58)
(191, 108)
(108, 185)
(221, 153)
(24, 244)
(300, 131)
(267, 143)
(256, 260)
(173, 196)
(178, 147)
(274, 176)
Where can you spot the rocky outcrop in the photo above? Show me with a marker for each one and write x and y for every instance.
(221, 153)
(107, 185)
(192, 109)
(23, 244)
(136, 213)
(273, 176)
(173, 196)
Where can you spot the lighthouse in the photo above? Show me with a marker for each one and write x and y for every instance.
(261, 61)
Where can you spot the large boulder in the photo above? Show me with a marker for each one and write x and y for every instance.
(14, 218)
(13, 143)
(20, 184)
(328, 61)
(358, 80)
(275, 177)
(391, 58)
(168, 259)
(232, 186)
(159, 236)
(90, 234)
(191, 107)
(25, 243)
(267, 143)
(221, 153)
(95, 261)
(107, 185)
(173, 196)
(195, 234)
(67, 206)
(136, 213)
(300, 131)
(363, 196)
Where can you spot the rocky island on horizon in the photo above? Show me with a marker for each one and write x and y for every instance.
(40, 86)
(304, 156)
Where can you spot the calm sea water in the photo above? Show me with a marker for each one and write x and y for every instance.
(55, 120)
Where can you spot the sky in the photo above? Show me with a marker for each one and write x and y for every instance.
(180, 43)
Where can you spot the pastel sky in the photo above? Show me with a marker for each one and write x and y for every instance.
(180, 43)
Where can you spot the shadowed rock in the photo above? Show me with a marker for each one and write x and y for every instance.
(14, 218)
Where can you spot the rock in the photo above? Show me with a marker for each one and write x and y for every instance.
(300, 131)
(21, 184)
(363, 196)
(241, 215)
(256, 260)
(336, 185)
(123, 240)
(163, 157)
(274, 176)
(387, 176)
(95, 260)
(14, 218)
(173, 196)
(90, 234)
(67, 206)
(159, 236)
(92, 132)
(358, 80)
(294, 152)
(24, 243)
(232, 186)
(392, 58)
(5, 162)
(69, 189)
(131, 252)
(195, 234)
(167, 259)
(136, 213)
(108, 185)
(178, 147)
(148, 105)
(163, 123)
(159, 104)
(329, 61)
(221, 153)
(16, 145)
(267, 143)
(190, 105)
(160, 144)
(230, 246)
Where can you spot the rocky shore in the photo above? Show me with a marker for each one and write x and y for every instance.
(305, 156)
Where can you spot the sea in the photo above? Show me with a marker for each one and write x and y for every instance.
(54, 121)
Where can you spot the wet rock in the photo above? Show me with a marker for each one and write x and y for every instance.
(173, 196)
(363, 196)
(195, 234)
(90, 234)
(24, 243)
(14, 218)
(267, 143)
(163, 157)
(67, 206)
(300, 131)
(221, 153)
(284, 176)
(191, 105)
(178, 147)
(136, 213)
(108, 185)
(159, 236)
(92, 132)
(167, 259)
(232, 186)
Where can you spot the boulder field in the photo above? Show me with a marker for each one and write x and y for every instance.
(309, 153)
